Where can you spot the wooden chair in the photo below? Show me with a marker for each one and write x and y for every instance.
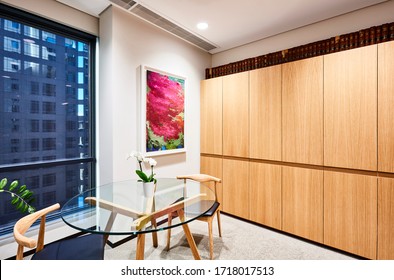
(85, 247)
(207, 217)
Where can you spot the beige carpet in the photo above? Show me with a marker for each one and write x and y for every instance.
(240, 241)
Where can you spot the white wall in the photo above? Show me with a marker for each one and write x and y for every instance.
(126, 42)
(58, 12)
(351, 22)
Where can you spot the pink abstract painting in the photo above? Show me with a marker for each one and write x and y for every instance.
(165, 108)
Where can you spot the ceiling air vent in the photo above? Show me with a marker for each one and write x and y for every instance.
(165, 24)
(127, 4)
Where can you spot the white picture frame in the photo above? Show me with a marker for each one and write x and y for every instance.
(161, 112)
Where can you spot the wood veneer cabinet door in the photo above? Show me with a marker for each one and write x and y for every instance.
(236, 187)
(350, 109)
(213, 166)
(385, 107)
(386, 218)
(302, 111)
(265, 113)
(350, 212)
(236, 115)
(211, 116)
(265, 194)
(302, 202)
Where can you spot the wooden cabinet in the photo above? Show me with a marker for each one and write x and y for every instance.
(302, 111)
(386, 107)
(213, 166)
(302, 202)
(265, 113)
(350, 109)
(236, 187)
(265, 194)
(386, 219)
(350, 212)
(236, 115)
(279, 127)
(211, 116)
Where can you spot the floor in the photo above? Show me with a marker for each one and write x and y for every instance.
(240, 240)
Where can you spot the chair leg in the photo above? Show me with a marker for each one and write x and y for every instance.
(219, 224)
(210, 238)
(169, 232)
(154, 234)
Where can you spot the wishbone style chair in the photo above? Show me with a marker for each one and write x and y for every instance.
(209, 215)
(85, 247)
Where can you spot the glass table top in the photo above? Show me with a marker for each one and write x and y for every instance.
(122, 208)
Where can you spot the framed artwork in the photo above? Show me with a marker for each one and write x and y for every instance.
(162, 116)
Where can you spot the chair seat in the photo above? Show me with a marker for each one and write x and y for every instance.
(85, 247)
(195, 209)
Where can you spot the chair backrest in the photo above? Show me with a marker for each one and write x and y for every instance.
(202, 178)
(23, 224)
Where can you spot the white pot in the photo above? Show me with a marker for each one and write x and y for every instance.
(149, 189)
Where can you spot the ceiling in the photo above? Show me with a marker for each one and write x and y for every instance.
(232, 23)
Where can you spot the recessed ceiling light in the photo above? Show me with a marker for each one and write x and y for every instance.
(202, 25)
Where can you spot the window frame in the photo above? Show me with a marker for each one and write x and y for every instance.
(34, 21)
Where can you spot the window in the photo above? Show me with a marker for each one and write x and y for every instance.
(15, 145)
(34, 107)
(11, 64)
(49, 71)
(48, 37)
(49, 90)
(34, 87)
(48, 126)
(48, 144)
(33, 145)
(34, 126)
(49, 108)
(12, 26)
(32, 68)
(32, 49)
(49, 180)
(46, 91)
(12, 45)
(48, 53)
(31, 32)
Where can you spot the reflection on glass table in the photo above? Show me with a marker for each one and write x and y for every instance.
(122, 208)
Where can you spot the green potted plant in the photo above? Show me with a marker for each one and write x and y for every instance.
(21, 196)
(148, 180)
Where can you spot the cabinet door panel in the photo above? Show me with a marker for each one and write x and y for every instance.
(265, 113)
(236, 187)
(303, 202)
(350, 212)
(236, 115)
(211, 116)
(265, 194)
(350, 109)
(213, 166)
(302, 111)
(385, 107)
(386, 219)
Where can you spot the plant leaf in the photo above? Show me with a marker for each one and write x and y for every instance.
(15, 200)
(13, 185)
(21, 189)
(142, 175)
(3, 182)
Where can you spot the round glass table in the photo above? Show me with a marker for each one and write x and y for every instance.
(123, 208)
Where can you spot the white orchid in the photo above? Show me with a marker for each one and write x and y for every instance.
(151, 161)
(141, 158)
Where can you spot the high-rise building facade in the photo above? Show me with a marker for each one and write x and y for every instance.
(46, 113)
